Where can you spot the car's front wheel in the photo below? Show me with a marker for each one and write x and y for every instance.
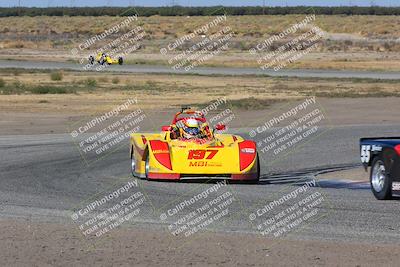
(133, 165)
(258, 168)
(380, 181)
(147, 166)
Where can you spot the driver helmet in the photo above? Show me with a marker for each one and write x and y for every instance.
(191, 129)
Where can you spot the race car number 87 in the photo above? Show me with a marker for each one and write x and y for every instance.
(365, 153)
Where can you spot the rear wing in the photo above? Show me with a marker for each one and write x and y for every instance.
(378, 138)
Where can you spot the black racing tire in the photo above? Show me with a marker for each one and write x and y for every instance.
(147, 167)
(258, 169)
(257, 180)
(120, 61)
(91, 60)
(133, 164)
(381, 183)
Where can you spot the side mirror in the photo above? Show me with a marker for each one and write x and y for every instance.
(220, 127)
(165, 128)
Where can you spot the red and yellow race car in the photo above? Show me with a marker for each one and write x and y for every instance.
(188, 149)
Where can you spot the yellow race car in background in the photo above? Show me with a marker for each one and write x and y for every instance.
(103, 58)
(189, 149)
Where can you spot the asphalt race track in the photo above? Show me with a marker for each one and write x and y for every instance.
(43, 177)
(206, 70)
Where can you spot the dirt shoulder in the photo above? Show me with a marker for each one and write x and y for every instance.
(25, 243)
(48, 114)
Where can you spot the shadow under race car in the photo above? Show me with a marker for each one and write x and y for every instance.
(383, 155)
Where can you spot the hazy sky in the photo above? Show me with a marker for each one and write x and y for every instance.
(44, 3)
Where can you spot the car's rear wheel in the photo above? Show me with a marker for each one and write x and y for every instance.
(120, 61)
(380, 181)
(91, 60)
(255, 181)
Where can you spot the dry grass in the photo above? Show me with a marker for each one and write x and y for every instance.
(172, 27)
(51, 38)
(160, 91)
